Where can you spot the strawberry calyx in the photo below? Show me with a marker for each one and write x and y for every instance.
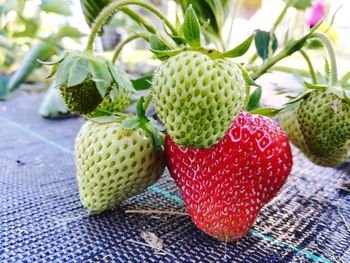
(149, 125)
(74, 68)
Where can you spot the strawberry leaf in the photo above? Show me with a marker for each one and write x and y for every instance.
(191, 28)
(294, 45)
(254, 99)
(263, 43)
(241, 49)
(78, 72)
(248, 79)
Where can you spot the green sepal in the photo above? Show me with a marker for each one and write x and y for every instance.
(156, 43)
(120, 78)
(263, 43)
(53, 71)
(314, 86)
(100, 74)
(78, 72)
(269, 112)
(104, 119)
(142, 83)
(191, 28)
(131, 123)
(346, 96)
(248, 79)
(254, 99)
(241, 49)
(165, 54)
(177, 39)
(53, 62)
(63, 70)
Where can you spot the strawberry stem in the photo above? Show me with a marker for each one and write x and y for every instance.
(119, 48)
(114, 6)
(331, 53)
(311, 68)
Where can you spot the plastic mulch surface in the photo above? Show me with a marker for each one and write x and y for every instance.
(42, 219)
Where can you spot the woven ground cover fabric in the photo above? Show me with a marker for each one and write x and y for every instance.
(42, 219)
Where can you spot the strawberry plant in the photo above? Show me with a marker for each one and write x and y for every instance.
(227, 159)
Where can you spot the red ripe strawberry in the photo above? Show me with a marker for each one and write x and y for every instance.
(225, 186)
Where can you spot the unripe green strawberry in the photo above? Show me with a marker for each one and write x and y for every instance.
(114, 164)
(82, 98)
(85, 79)
(197, 97)
(118, 103)
(320, 128)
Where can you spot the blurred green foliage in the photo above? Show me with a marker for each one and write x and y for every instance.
(25, 37)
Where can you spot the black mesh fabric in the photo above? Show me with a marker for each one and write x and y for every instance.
(42, 219)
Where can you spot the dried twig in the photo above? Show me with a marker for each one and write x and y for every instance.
(343, 218)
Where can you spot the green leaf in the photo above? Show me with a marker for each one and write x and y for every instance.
(91, 9)
(120, 78)
(248, 79)
(41, 51)
(263, 43)
(254, 99)
(314, 86)
(269, 112)
(142, 83)
(69, 31)
(130, 123)
(241, 49)
(56, 6)
(294, 45)
(3, 87)
(100, 73)
(78, 72)
(302, 4)
(141, 114)
(156, 43)
(191, 28)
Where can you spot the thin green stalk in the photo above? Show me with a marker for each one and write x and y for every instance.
(112, 7)
(235, 5)
(139, 19)
(301, 72)
(331, 53)
(119, 48)
(311, 68)
(282, 14)
(269, 63)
